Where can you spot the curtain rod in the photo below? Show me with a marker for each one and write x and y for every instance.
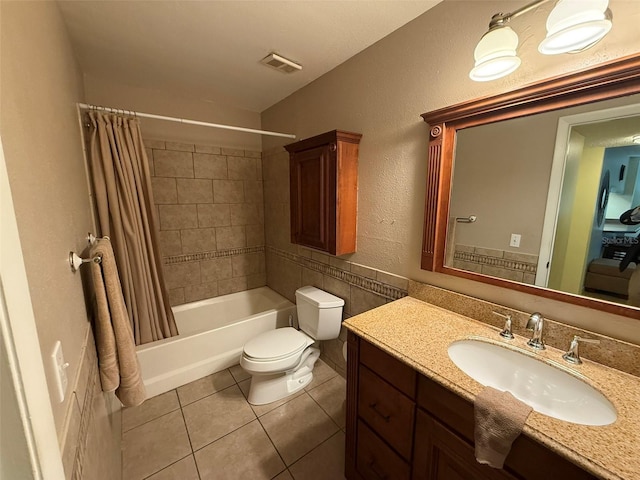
(184, 120)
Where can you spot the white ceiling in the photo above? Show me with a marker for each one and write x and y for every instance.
(211, 49)
(610, 133)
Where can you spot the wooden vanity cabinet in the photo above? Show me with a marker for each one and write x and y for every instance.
(402, 425)
(323, 175)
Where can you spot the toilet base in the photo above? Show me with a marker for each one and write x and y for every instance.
(270, 388)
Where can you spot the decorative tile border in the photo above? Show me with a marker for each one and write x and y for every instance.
(194, 257)
(374, 286)
(495, 261)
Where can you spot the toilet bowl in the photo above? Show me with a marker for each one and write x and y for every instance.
(281, 361)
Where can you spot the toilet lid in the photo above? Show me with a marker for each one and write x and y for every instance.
(274, 344)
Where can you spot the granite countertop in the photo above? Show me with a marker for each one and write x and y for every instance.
(419, 334)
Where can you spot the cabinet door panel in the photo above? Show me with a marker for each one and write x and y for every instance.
(441, 455)
(310, 197)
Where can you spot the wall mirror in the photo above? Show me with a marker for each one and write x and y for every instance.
(526, 190)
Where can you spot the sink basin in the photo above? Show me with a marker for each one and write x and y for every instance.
(548, 390)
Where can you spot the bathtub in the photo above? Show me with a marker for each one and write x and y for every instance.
(212, 334)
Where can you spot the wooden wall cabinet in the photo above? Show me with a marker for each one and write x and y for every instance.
(402, 425)
(323, 174)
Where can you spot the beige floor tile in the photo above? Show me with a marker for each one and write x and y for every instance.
(284, 476)
(297, 427)
(331, 396)
(321, 373)
(325, 462)
(185, 469)
(203, 387)
(239, 373)
(216, 415)
(151, 447)
(244, 387)
(152, 408)
(246, 453)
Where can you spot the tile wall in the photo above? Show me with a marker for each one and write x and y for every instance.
(211, 212)
(519, 267)
(93, 428)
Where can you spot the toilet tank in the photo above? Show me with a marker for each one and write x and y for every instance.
(319, 313)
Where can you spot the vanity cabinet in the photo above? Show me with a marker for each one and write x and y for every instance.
(323, 174)
(402, 425)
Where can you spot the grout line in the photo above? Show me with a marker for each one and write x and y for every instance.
(206, 396)
(286, 467)
(225, 435)
(152, 420)
(164, 468)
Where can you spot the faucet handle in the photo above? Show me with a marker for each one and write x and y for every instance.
(572, 355)
(506, 332)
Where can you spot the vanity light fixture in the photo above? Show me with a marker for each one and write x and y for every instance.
(636, 138)
(572, 26)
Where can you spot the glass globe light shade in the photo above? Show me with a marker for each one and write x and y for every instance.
(575, 25)
(495, 55)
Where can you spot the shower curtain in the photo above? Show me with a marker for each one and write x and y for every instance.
(127, 214)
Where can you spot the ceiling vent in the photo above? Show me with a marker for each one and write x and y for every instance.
(278, 62)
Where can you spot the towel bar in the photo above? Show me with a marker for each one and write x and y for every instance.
(76, 261)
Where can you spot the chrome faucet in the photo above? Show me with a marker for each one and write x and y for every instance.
(572, 355)
(536, 323)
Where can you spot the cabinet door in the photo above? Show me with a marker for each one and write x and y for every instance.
(439, 454)
(312, 194)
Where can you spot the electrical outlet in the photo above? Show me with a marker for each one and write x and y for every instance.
(60, 370)
(515, 240)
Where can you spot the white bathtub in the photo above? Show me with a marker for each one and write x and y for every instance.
(212, 334)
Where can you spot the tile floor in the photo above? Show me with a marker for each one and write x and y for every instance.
(207, 430)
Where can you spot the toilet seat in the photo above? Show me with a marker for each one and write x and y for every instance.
(275, 350)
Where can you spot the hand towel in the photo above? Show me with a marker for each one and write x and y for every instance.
(499, 418)
(117, 359)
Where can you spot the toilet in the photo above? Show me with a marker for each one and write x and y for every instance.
(281, 361)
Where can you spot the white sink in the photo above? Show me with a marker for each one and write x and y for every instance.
(546, 389)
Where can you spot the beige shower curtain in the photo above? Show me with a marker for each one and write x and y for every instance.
(127, 214)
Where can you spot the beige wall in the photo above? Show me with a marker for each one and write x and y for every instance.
(40, 85)
(381, 93)
(176, 104)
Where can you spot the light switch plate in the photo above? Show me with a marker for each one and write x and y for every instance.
(515, 240)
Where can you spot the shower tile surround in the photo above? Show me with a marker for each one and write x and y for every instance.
(211, 212)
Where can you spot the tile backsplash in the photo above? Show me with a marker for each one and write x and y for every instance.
(362, 288)
(211, 212)
(519, 267)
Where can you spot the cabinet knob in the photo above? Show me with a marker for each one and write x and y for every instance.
(333, 147)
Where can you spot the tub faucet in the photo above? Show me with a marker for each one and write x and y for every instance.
(535, 323)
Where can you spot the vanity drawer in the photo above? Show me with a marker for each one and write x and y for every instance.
(387, 411)
(375, 460)
(391, 369)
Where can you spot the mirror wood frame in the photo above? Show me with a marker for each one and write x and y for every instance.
(613, 79)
